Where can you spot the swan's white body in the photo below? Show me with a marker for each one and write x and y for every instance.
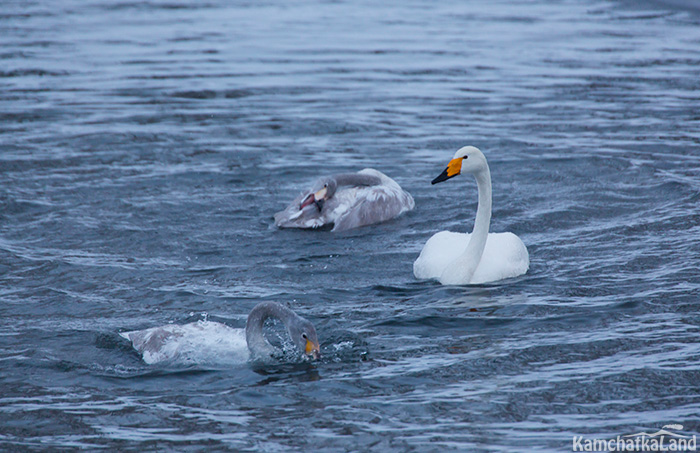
(203, 342)
(446, 247)
(479, 257)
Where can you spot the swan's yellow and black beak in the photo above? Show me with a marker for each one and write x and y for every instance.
(453, 169)
(317, 198)
(313, 349)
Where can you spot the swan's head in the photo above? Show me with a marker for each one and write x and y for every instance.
(323, 190)
(468, 159)
(303, 334)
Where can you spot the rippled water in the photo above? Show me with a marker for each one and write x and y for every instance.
(146, 145)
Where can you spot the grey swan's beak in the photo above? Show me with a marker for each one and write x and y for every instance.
(317, 198)
(313, 350)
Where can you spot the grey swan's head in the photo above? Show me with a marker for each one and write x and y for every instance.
(326, 187)
(300, 330)
(322, 191)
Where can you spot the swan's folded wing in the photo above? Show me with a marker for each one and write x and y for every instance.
(505, 256)
(370, 205)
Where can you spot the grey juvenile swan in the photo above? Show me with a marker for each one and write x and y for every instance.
(213, 342)
(347, 200)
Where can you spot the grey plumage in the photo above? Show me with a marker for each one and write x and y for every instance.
(352, 200)
(205, 342)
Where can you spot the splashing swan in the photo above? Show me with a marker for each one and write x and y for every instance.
(213, 342)
(479, 257)
(346, 201)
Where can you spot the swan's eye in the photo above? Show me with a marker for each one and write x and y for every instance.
(303, 335)
(325, 185)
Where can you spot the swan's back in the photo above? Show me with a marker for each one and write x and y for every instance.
(198, 342)
(504, 256)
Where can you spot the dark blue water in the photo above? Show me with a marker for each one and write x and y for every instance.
(144, 147)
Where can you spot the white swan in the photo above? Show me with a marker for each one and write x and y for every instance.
(346, 201)
(212, 342)
(479, 257)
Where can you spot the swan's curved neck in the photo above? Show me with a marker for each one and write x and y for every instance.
(483, 210)
(471, 257)
(257, 343)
